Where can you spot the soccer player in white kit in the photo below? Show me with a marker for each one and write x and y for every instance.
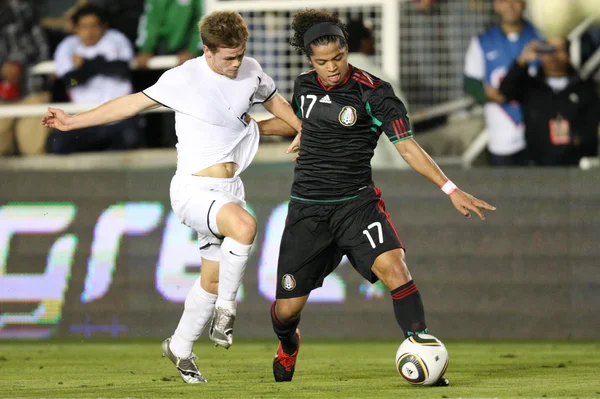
(211, 96)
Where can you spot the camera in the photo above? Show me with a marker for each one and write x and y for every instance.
(545, 48)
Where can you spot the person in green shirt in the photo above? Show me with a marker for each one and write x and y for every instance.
(169, 27)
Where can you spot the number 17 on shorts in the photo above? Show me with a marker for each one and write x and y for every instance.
(374, 229)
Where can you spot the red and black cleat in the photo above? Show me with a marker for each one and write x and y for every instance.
(284, 364)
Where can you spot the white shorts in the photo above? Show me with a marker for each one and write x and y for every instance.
(196, 200)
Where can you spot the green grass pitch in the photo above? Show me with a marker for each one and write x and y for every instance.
(326, 369)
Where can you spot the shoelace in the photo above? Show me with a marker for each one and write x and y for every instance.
(222, 320)
(287, 361)
(189, 361)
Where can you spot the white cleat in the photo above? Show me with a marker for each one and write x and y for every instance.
(188, 370)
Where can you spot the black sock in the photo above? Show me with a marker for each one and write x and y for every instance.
(408, 308)
(286, 332)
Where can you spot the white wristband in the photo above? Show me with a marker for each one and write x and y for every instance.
(449, 187)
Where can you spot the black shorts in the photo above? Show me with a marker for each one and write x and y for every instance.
(317, 235)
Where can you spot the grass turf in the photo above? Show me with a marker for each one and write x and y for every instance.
(326, 369)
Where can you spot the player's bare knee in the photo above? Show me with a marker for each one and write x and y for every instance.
(391, 269)
(398, 275)
(393, 275)
(287, 310)
(245, 229)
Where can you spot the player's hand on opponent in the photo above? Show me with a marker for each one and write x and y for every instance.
(294, 147)
(465, 202)
(56, 118)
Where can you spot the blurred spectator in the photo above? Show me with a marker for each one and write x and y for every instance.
(169, 27)
(94, 63)
(488, 58)
(123, 15)
(561, 110)
(361, 49)
(22, 45)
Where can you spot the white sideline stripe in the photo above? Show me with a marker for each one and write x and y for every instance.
(158, 62)
(14, 111)
(19, 111)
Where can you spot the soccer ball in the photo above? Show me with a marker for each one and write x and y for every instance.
(422, 359)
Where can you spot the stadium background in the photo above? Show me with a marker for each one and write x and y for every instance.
(90, 250)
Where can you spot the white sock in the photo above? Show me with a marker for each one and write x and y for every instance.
(234, 258)
(198, 310)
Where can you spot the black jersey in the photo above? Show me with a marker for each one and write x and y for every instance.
(340, 129)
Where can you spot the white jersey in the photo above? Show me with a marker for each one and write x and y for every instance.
(210, 110)
(113, 46)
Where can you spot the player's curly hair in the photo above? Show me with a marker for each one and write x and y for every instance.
(304, 20)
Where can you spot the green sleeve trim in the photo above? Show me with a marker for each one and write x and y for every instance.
(403, 138)
(375, 121)
(298, 109)
(475, 89)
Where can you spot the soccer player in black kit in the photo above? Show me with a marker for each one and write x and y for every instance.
(335, 209)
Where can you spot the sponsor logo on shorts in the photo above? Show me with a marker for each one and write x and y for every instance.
(347, 116)
(288, 282)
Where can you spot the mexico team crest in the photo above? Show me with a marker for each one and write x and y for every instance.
(347, 116)
(288, 282)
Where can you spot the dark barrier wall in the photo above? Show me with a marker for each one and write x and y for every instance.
(99, 254)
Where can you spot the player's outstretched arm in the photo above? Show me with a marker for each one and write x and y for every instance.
(275, 127)
(420, 161)
(111, 111)
(279, 107)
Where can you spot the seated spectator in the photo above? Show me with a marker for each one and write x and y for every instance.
(94, 63)
(561, 111)
(22, 45)
(123, 15)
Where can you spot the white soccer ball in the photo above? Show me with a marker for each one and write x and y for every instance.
(422, 359)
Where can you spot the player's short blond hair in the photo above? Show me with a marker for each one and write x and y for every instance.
(223, 29)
